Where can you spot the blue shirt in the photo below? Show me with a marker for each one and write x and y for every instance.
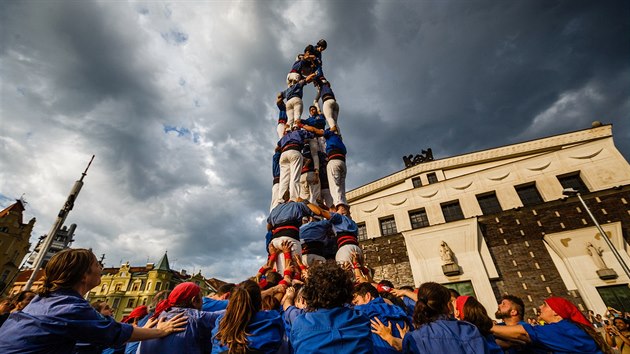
(340, 330)
(334, 142)
(343, 224)
(282, 114)
(288, 212)
(315, 231)
(385, 313)
(327, 92)
(445, 336)
(54, 324)
(560, 337)
(493, 347)
(296, 90)
(318, 121)
(195, 339)
(265, 331)
(295, 137)
(275, 164)
(211, 305)
(409, 304)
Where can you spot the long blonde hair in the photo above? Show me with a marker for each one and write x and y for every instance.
(245, 302)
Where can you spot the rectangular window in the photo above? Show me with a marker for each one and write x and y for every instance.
(616, 296)
(388, 226)
(432, 177)
(452, 211)
(462, 287)
(529, 194)
(418, 218)
(115, 304)
(362, 234)
(489, 203)
(573, 180)
(130, 303)
(416, 182)
(158, 285)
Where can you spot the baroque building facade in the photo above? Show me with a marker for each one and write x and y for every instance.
(14, 242)
(496, 221)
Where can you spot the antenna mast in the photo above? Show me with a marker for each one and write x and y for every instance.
(61, 218)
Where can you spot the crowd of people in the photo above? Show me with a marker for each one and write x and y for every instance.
(314, 294)
(324, 308)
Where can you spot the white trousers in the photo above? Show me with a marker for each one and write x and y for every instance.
(331, 111)
(336, 171)
(280, 130)
(344, 253)
(290, 171)
(326, 197)
(294, 110)
(296, 248)
(310, 187)
(312, 259)
(274, 196)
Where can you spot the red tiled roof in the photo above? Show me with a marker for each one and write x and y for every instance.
(17, 206)
(24, 275)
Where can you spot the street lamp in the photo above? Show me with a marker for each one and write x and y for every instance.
(572, 192)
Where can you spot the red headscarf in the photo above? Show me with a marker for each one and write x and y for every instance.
(383, 288)
(182, 293)
(138, 312)
(565, 309)
(459, 305)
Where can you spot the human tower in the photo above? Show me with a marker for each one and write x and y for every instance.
(309, 212)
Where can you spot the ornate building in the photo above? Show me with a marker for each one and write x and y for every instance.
(127, 287)
(14, 242)
(496, 221)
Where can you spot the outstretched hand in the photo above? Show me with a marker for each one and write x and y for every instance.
(379, 328)
(403, 331)
(176, 324)
(286, 246)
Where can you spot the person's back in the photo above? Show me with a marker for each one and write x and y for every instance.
(197, 338)
(329, 325)
(265, 331)
(338, 330)
(445, 336)
(386, 313)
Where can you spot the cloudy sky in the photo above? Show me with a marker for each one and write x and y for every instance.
(176, 100)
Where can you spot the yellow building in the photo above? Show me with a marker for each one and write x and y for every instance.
(14, 242)
(127, 287)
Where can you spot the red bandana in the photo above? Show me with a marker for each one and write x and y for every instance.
(182, 293)
(565, 309)
(138, 312)
(459, 305)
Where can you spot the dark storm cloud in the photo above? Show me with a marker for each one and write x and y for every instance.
(178, 103)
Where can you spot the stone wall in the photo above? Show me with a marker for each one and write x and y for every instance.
(388, 257)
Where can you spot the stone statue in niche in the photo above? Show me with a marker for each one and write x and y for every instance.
(446, 254)
(603, 271)
(449, 266)
(596, 254)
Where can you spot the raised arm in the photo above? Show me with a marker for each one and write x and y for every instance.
(318, 211)
(163, 328)
(516, 332)
(318, 132)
